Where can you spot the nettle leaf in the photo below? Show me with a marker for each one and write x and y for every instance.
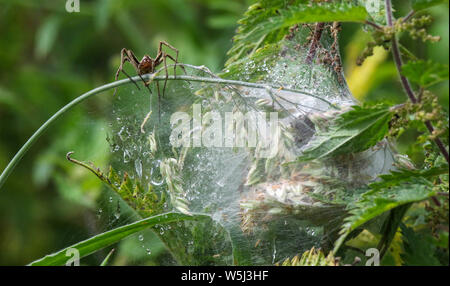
(267, 22)
(425, 73)
(424, 4)
(419, 249)
(256, 14)
(327, 12)
(390, 227)
(376, 202)
(353, 131)
(399, 176)
(145, 201)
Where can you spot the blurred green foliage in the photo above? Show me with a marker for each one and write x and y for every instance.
(48, 57)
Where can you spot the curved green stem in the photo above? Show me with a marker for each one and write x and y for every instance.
(16, 159)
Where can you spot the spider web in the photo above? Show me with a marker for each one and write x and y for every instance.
(275, 216)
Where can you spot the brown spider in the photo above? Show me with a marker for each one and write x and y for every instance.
(147, 65)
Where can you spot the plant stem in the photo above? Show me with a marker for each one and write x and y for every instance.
(407, 17)
(405, 83)
(376, 26)
(16, 159)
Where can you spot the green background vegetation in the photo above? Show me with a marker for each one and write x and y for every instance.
(48, 57)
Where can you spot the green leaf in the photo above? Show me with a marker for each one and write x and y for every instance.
(108, 238)
(240, 246)
(424, 4)
(267, 22)
(314, 13)
(426, 73)
(418, 249)
(145, 201)
(390, 226)
(397, 177)
(353, 131)
(376, 202)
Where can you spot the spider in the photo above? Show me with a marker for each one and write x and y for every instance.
(148, 65)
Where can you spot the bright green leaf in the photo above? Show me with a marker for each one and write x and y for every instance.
(267, 22)
(312, 14)
(376, 202)
(397, 177)
(145, 201)
(353, 131)
(424, 73)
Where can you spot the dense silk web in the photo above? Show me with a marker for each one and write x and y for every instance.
(269, 204)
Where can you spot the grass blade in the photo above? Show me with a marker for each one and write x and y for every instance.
(108, 238)
(106, 260)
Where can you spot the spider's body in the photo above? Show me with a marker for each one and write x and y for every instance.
(147, 65)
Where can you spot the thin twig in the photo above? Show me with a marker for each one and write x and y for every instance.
(376, 26)
(404, 80)
(435, 201)
(407, 17)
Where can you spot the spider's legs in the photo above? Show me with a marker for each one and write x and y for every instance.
(135, 62)
(176, 54)
(146, 83)
(159, 101)
(126, 55)
(164, 56)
